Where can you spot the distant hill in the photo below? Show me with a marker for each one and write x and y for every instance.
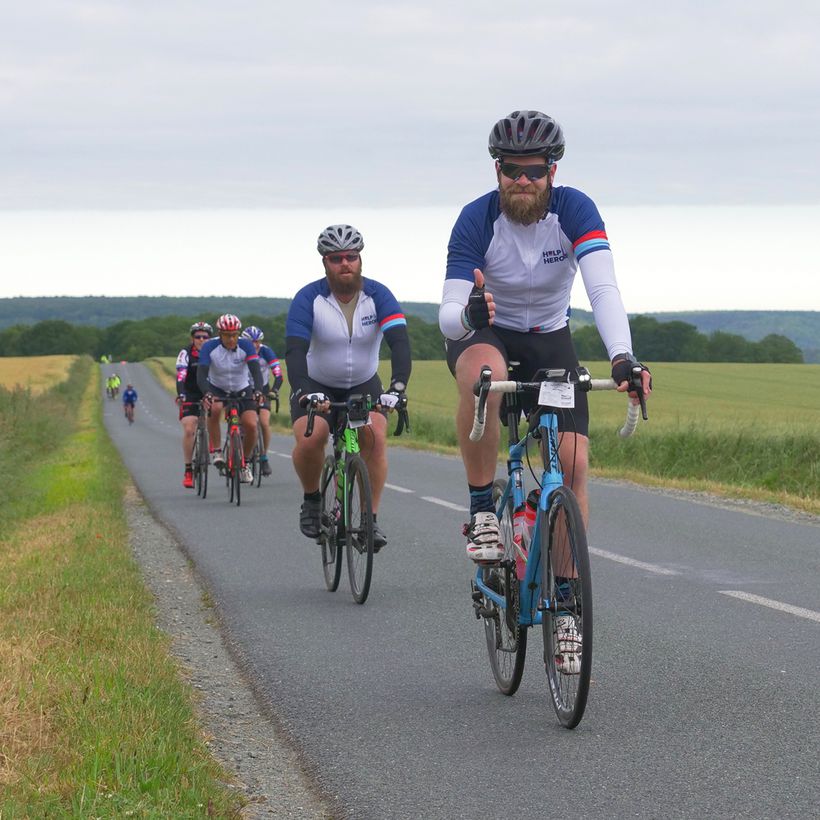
(102, 311)
(802, 327)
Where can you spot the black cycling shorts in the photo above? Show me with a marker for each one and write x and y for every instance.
(533, 351)
(189, 408)
(245, 397)
(372, 387)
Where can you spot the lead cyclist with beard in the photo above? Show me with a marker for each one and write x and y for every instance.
(511, 261)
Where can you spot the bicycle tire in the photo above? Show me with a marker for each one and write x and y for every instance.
(563, 535)
(257, 458)
(237, 456)
(199, 462)
(359, 528)
(328, 529)
(506, 637)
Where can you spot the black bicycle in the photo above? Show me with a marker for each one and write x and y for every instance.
(200, 458)
(346, 516)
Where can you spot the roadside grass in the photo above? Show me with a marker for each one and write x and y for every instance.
(739, 430)
(37, 373)
(94, 717)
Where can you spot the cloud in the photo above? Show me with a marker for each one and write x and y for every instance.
(209, 104)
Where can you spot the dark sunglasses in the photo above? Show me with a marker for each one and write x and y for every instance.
(338, 258)
(201, 336)
(532, 172)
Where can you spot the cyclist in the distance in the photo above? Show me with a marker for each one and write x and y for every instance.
(333, 333)
(269, 365)
(189, 394)
(230, 365)
(511, 261)
(129, 400)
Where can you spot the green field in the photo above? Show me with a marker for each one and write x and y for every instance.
(749, 430)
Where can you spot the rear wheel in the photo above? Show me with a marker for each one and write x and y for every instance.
(566, 602)
(506, 638)
(359, 528)
(328, 526)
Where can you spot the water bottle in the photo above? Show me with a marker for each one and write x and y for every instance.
(530, 513)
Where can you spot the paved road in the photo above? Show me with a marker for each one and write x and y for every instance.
(705, 698)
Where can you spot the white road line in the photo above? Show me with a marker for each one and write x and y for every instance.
(631, 562)
(442, 503)
(397, 488)
(810, 614)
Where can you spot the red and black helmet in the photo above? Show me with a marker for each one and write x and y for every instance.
(199, 326)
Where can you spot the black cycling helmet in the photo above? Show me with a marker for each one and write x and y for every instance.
(527, 134)
(335, 238)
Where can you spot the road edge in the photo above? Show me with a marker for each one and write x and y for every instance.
(242, 732)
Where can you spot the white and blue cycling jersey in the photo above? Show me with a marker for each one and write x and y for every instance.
(530, 269)
(338, 357)
(228, 369)
(269, 363)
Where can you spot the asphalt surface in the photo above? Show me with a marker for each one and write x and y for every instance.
(703, 703)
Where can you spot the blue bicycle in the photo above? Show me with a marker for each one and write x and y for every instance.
(544, 577)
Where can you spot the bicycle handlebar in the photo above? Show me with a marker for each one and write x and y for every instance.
(484, 386)
(402, 424)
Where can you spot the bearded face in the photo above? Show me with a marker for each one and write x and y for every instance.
(344, 277)
(525, 200)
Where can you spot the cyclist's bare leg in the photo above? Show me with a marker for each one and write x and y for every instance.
(248, 419)
(373, 444)
(309, 453)
(188, 434)
(214, 429)
(264, 423)
(480, 457)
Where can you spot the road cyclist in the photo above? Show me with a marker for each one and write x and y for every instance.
(270, 366)
(229, 367)
(333, 332)
(129, 400)
(189, 395)
(511, 260)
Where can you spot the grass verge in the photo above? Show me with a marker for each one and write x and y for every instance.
(94, 717)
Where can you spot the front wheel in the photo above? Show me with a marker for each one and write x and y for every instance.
(200, 462)
(506, 638)
(236, 458)
(566, 606)
(329, 517)
(359, 506)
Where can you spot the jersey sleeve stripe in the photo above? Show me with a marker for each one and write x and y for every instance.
(394, 320)
(589, 242)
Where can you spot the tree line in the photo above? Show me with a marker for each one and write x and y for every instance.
(134, 340)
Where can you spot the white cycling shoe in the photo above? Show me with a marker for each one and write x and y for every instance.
(482, 538)
(567, 645)
(246, 474)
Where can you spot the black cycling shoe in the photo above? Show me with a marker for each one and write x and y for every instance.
(379, 538)
(265, 465)
(309, 518)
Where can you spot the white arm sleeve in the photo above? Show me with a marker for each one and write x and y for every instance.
(453, 300)
(598, 272)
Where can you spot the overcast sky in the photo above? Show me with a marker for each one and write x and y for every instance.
(265, 103)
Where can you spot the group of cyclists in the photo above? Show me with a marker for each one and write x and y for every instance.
(112, 385)
(512, 257)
